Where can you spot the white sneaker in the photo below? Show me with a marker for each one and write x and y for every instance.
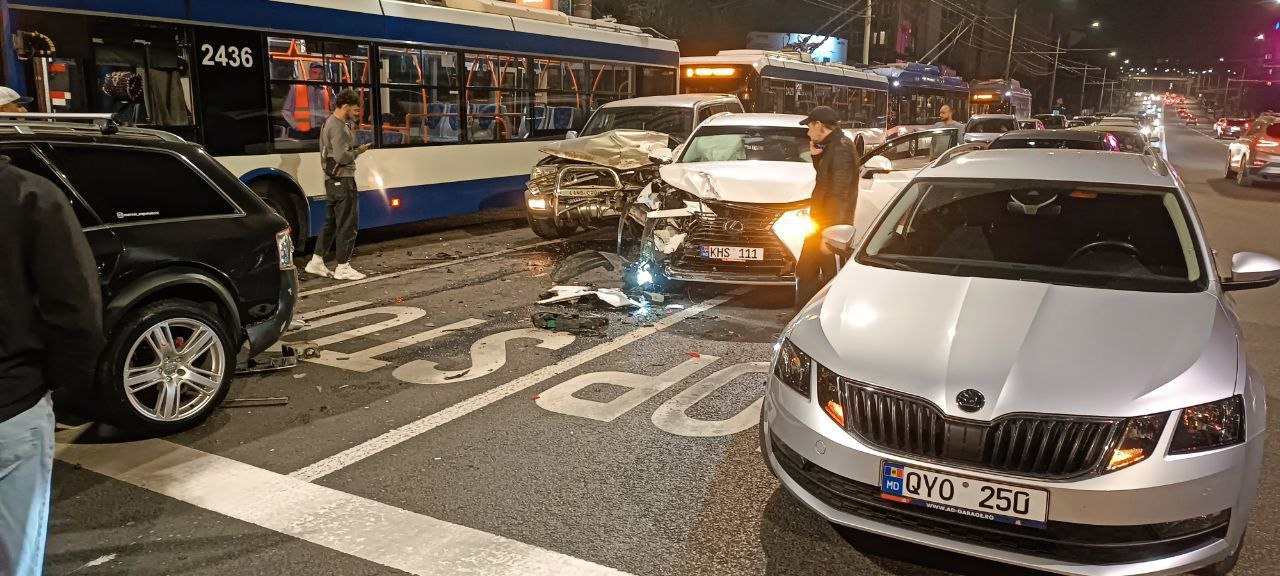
(346, 272)
(316, 266)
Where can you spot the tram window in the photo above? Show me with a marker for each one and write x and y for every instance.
(498, 96)
(306, 76)
(611, 82)
(142, 72)
(561, 101)
(419, 100)
(656, 81)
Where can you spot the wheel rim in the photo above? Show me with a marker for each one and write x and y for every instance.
(174, 370)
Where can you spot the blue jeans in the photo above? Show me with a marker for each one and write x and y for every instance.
(26, 468)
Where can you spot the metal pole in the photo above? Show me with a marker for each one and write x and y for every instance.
(1083, 85)
(1008, 62)
(1102, 89)
(866, 35)
(1053, 84)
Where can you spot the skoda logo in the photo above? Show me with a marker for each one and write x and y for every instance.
(971, 400)
(735, 226)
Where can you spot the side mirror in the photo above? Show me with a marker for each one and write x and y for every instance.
(839, 238)
(570, 135)
(876, 165)
(1250, 270)
(661, 156)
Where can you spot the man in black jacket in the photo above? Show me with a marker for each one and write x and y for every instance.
(51, 335)
(835, 195)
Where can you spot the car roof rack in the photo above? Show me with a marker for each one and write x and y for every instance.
(30, 123)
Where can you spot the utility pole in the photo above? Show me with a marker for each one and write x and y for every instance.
(1084, 84)
(866, 35)
(1008, 62)
(1053, 84)
(1102, 89)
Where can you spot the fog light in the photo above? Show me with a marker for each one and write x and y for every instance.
(537, 204)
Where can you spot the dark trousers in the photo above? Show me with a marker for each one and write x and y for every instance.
(814, 270)
(341, 221)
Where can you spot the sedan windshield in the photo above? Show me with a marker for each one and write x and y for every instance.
(738, 143)
(1090, 235)
(992, 126)
(672, 121)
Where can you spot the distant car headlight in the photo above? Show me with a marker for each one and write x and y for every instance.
(1209, 426)
(1138, 441)
(792, 367)
(793, 227)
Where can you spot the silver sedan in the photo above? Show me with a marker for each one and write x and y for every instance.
(1030, 358)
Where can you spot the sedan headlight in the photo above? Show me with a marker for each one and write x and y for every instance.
(1138, 441)
(792, 367)
(793, 227)
(1209, 426)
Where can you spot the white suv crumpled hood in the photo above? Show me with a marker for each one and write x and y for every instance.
(1028, 347)
(755, 182)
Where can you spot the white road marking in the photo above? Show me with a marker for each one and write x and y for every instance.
(671, 416)
(366, 360)
(428, 423)
(642, 387)
(335, 309)
(369, 530)
(399, 315)
(488, 355)
(429, 267)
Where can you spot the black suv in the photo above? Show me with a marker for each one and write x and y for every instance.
(193, 265)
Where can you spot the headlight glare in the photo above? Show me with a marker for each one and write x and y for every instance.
(1209, 426)
(792, 227)
(1138, 441)
(792, 367)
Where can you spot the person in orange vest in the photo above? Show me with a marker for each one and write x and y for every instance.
(307, 106)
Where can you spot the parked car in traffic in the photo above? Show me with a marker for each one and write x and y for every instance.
(194, 266)
(986, 127)
(1256, 154)
(1054, 140)
(1230, 127)
(593, 175)
(1030, 125)
(1052, 121)
(897, 403)
(1124, 138)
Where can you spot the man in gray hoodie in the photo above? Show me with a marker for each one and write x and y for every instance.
(338, 153)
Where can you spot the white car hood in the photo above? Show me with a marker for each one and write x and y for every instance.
(1027, 347)
(754, 182)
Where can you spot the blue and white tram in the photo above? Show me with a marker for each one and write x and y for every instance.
(454, 97)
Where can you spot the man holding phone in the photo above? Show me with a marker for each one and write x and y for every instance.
(835, 195)
(338, 153)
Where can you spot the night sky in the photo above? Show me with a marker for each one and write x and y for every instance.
(1197, 32)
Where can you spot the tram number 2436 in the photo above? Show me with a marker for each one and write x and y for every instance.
(223, 55)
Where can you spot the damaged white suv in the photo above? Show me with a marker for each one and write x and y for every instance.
(731, 205)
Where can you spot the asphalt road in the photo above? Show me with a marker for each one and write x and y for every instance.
(441, 434)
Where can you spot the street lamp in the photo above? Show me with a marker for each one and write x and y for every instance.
(1112, 54)
(1260, 37)
(1098, 23)
(1126, 60)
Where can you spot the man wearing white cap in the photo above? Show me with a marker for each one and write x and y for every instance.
(12, 102)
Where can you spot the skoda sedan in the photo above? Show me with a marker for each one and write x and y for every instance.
(1030, 358)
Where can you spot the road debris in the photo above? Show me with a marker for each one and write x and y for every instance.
(580, 263)
(611, 296)
(255, 402)
(572, 322)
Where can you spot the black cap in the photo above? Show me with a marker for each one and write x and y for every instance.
(823, 114)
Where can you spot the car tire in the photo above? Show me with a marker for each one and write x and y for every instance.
(1231, 169)
(1222, 567)
(155, 336)
(1242, 175)
(282, 204)
(548, 229)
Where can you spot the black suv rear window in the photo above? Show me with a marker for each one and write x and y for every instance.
(126, 185)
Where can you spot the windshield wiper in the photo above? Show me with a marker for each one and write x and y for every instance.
(885, 262)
